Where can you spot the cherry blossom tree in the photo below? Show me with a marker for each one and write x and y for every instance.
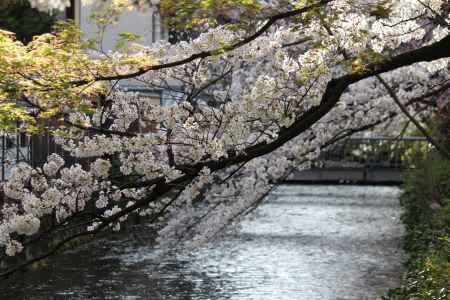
(254, 96)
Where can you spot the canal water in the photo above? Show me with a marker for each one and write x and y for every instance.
(304, 242)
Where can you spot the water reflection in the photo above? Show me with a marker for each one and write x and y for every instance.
(304, 242)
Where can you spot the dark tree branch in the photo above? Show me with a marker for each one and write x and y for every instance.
(413, 120)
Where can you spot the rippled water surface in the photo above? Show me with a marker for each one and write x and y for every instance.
(303, 242)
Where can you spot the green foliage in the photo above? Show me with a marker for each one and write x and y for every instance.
(125, 38)
(426, 202)
(24, 21)
(429, 281)
(187, 14)
(47, 68)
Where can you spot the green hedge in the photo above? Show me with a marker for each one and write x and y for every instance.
(426, 203)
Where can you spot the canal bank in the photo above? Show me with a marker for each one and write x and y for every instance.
(303, 242)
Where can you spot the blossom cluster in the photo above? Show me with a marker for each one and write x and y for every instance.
(191, 166)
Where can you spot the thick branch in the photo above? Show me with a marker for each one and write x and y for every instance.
(335, 88)
(333, 92)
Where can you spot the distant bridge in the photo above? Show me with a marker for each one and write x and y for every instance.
(378, 160)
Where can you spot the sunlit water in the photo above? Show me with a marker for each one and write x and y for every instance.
(303, 242)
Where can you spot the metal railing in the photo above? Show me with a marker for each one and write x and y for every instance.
(376, 152)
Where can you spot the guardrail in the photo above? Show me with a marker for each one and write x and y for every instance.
(376, 160)
(376, 152)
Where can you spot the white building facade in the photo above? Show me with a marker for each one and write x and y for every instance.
(145, 23)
